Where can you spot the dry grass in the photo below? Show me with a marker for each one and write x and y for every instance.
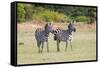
(84, 45)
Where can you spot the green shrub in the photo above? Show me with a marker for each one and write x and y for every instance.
(81, 19)
(20, 13)
(29, 12)
(49, 16)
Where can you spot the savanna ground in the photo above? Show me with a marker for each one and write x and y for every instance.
(84, 45)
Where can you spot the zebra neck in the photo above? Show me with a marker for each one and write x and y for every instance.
(46, 33)
(69, 31)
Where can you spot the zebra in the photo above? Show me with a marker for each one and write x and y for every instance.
(64, 35)
(41, 36)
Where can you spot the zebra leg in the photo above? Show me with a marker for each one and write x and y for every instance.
(70, 44)
(66, 45)
(42, 46)
(58, 42)
(38, 44)
(47, 47)
(39, 49)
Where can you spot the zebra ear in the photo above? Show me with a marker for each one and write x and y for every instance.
(46, 25)
(50, 23)
(71, 21)
(69, 25)
(74, 21)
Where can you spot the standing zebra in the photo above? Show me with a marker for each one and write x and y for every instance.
(64, 35)
(42, 36)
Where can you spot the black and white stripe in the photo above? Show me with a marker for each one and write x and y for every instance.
(41, 36)
(64, 35)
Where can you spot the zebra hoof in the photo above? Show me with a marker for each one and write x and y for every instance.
(58, 51)
(65, 49)
(39, 52)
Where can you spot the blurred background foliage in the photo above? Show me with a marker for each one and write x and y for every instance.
(55, 13)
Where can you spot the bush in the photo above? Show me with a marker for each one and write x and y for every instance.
(21, 13)
(81, 19)
(49, 16)
(29, 12)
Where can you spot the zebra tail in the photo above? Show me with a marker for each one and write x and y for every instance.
(55, 38)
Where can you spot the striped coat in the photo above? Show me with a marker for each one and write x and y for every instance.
(41, 36)
(64, 35)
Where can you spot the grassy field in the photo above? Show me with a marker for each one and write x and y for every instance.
(84, 46)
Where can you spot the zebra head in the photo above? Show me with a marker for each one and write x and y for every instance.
(48, 27)
(72, 27)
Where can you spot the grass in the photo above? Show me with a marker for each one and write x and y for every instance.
(84, 47)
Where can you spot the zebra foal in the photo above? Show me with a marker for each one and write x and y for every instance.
(64, 35)
(41, 36)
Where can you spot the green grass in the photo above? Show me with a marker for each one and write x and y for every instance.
(84, 48)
